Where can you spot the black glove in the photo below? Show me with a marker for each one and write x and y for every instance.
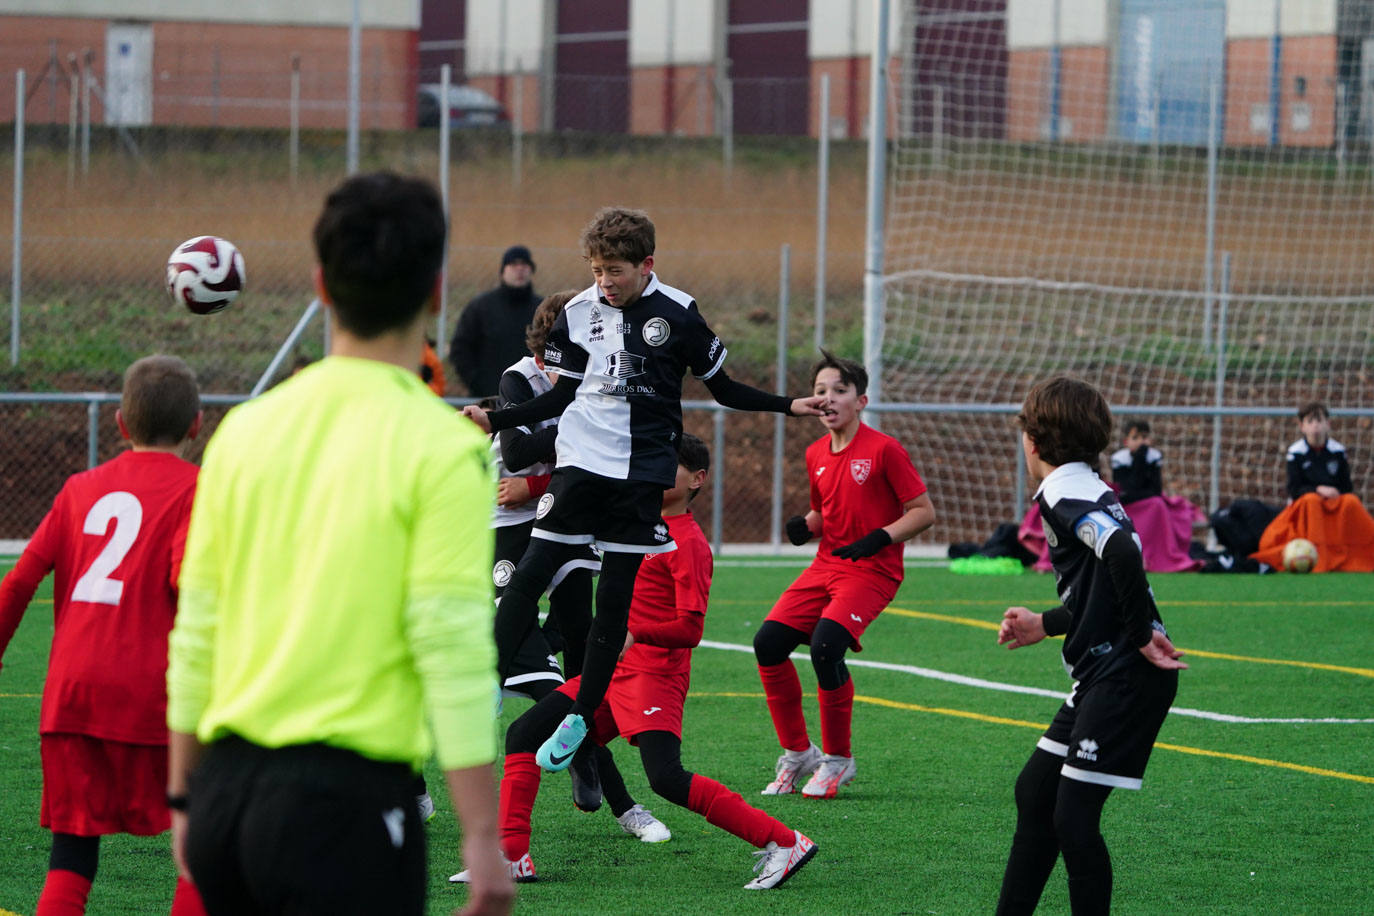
(797, 532)
(865, 546)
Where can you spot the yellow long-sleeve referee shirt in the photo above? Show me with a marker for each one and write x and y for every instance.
(336, 585)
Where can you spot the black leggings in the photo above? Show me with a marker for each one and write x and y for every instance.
(1057, 815)
(774, 642)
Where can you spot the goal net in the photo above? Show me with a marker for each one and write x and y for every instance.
(1140, 206)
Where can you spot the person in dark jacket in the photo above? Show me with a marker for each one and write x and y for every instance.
(491, 330)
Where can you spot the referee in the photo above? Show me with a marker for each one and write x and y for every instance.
(334, 596)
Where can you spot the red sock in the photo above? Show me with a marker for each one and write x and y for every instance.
(782, 687)
(519, 786)
(64, 894)
(731, 813)
(186, 901)
(837, 711)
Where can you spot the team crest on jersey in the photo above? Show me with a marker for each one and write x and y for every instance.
(624, 364)
(1331, 467)
(545, 504)
(655, 332)
(1087, 533)
(597, 329)
(1050, 537)
(860, 468)
(500, 573)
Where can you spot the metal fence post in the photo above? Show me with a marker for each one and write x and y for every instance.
(17, 258)
(1214, 489)
(445, 79)
(718, 478)
(294, 152)
(92, 433)
(784, 296)
(822, 206)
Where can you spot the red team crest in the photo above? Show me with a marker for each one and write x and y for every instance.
(859, 469)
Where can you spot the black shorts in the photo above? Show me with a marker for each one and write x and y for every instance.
(1106, 730)
(511, 541)
(618, 515)
(304, 829)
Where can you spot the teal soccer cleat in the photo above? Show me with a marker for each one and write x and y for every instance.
(556, 754)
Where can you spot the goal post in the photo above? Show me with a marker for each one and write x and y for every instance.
(1060, 194)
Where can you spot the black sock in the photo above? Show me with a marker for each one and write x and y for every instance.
(1077, 821)
(1034, 846)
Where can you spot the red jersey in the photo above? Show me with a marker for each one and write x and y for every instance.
(669, 604)
(114, 536)
(862, 487)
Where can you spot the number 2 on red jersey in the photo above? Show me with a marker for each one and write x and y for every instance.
(123, 508)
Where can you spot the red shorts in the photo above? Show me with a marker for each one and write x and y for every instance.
(636, 702)
(850, 598)
(92, 787)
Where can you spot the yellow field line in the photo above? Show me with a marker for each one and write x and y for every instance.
(19, 696)
(4, 912)
(999, 720)
(1197, 653)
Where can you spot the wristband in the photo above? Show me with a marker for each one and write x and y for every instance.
(178, 802)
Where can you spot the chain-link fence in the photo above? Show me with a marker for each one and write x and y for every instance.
(103, 210)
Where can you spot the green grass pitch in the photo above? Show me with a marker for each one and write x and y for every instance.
(1237, 816)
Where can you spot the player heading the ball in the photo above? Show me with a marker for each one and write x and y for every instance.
(620, 348)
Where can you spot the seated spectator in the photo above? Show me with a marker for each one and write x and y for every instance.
(1163, 523)
(1137, 467)
(1321, 506)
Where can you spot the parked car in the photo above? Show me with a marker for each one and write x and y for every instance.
(468, 106)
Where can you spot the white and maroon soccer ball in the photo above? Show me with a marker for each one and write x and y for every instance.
(205, 274)
(1299, 555)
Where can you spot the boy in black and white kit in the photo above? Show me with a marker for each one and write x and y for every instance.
(1125, 669)
(620, 349)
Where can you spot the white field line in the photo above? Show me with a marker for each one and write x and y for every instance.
(1040, 691)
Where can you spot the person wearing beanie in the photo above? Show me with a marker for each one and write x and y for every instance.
(491, 330)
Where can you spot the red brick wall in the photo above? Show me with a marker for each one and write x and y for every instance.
(680, 102)
(229, 74)
(1247, 86)
(1084, 82)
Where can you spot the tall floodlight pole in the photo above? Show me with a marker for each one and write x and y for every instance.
(877, 173)
(355, 53)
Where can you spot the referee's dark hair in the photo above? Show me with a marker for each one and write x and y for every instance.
(380, 244)
(693, 455)
(1068, 420)
(851, 372)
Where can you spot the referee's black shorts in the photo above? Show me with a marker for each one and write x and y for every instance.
(306, 829)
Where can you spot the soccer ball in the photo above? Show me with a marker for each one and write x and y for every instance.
(1299, 555)
(205, 274)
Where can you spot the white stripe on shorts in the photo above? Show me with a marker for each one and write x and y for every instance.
(1100, 779)
(1053, 747)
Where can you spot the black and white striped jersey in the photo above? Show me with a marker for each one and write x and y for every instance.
(625, 421)
(1081, 515)
(519, 383)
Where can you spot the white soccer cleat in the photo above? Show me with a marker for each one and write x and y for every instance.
(832, 773)
(792, 766)
(778, 863)
(521, 872)
(639, 822)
